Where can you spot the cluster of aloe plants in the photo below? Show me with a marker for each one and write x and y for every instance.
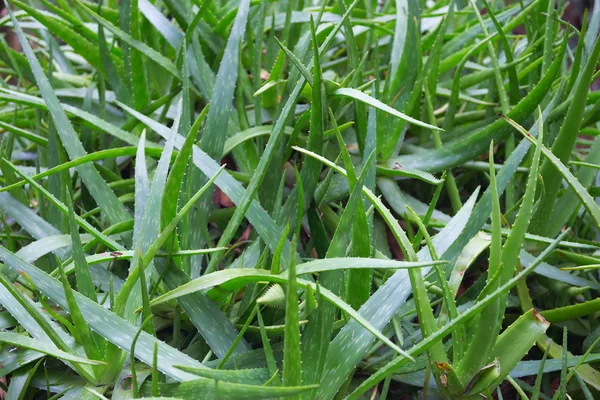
(315, 200)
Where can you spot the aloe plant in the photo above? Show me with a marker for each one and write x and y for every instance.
(337, 199)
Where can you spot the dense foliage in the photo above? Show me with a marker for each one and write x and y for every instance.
(315, 200)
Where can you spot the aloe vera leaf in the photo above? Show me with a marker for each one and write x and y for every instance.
(213, 137)
(311, 167)
(292, 365)
(564, 143)
(217, 388)
(477, 354)
(257, 216)
(586, 199)
(16, 339)
(446, 329)
(103, 195)
(461, 150)
(512, 345)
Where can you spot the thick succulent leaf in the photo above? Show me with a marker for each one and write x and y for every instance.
(103, 195)
(581, 192)
(257, 216)
(105, 323)
(512, 345)
(463, 149)
(255, 376)
(381, 306)
(223, 389)
(563, 145)
(464, 316)
(19, 340)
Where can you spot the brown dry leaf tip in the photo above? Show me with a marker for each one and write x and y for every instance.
(246, 235)
(352, 147)
(539, 317)
(374, 394)
(444, 380)
(264, 75)
(221, 199)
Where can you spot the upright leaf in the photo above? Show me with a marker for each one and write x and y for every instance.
(104, 196)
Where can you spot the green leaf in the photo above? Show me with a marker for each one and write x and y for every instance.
(513, 80)
(24, 134)
(512, 345)
(561, 314)
(213, 136)
(130, 297)
(20, 382)
(86, 118)
(99, 155)
(142, 186)
(587, 200)
(85, 336)
(509, 259)
(404, 82)
(270, 358)
(458, 151)
(223, 389)
(161, 23)
(255, 376)
(399, 171)
(487, 327)
(494, 58)
(205, 315)
(26, 217)
(397, 231)
(311, 168)
(131, 40)
(259, 174)
(76, 40)
(463, 317)
(356, 317)
(19, 340)
(393, 294)
(292, 366)
(437, 353)
(297, 63)
(220, 278)
(39, 325)
(82, 273)
(364, 98)
(175, 178)
(103, 195)
(83, 223)
(257, 216)
(563, 145)
(105, 323)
